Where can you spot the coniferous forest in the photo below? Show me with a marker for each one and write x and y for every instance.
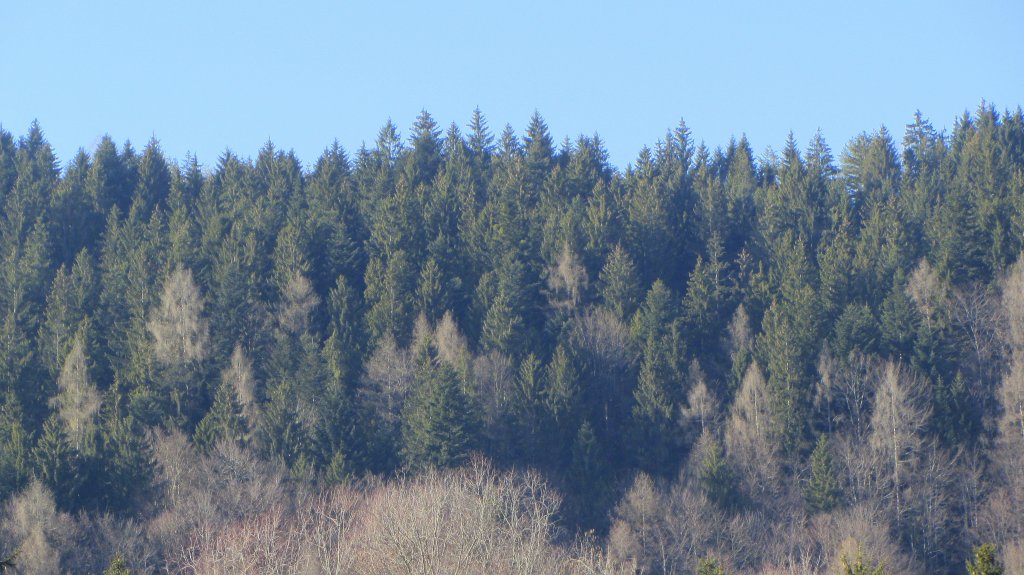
(468, 350)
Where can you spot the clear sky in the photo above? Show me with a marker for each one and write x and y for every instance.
(206, 75)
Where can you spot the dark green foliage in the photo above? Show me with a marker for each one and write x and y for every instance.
(897, 322)
(440, 424)
(528, 410)
(279, 432)
(154, 179)
(821, 492)
(655, 399)
(855, 329)
(954, 415)
(15, 454)
(224, 420)
(620, 289)
(788, 390)
(319, 275)
(561, 402)
(588, 463)
(389, 297)
(717, 478)
(8, 167)
(425, 159)
(128, 465)
(701, 309)
(58, 464)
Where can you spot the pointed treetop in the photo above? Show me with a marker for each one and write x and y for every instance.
(389, 142)
(425, 128)
(509, 144)
(539, 147)
(481, 142)
(791, 155)
(819, 156)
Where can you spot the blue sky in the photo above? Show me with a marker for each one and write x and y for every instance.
(203, 76)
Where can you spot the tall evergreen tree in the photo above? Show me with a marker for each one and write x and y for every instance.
(822, 489)
(439, 425)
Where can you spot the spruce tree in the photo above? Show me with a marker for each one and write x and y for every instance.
(15, 455)
(619, 286)
(439, 425)
(128, 465)
(654, 409)
(821, 492)
(985, 562)
(279, 432)
(716, 475)
(118, 566)
(224, 420)
(561, 395)
(57, 464)
(154, 178)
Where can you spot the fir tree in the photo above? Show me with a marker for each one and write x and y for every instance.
(224, 421)
(716, 476)
(822, 489)
(57, 464)
(438, 424)
(985, 562)
(118, 566)
(279, 432)
(15, 456)
(128, 465)
(619, 285)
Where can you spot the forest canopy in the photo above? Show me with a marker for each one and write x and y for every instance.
(713, 360)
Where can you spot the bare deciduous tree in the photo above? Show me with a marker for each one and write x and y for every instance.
(204, 494)
(463, 522)
(740, 336)
(926, 289)
(978, 318)
(604, 336)
(78, 400)
(451, 346)
(41, 532)
(180, 332)
(567, 280)
(1011, 396)
(494, 380)
(748, 437)
(1013, 305)
(861, 528)
(702, 407)
(387, 379)
(638, 535)
(898, 422)
(298, 300)
(239, 375)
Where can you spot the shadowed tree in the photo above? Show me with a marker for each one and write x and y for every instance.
(438, 423)
(821, 491)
